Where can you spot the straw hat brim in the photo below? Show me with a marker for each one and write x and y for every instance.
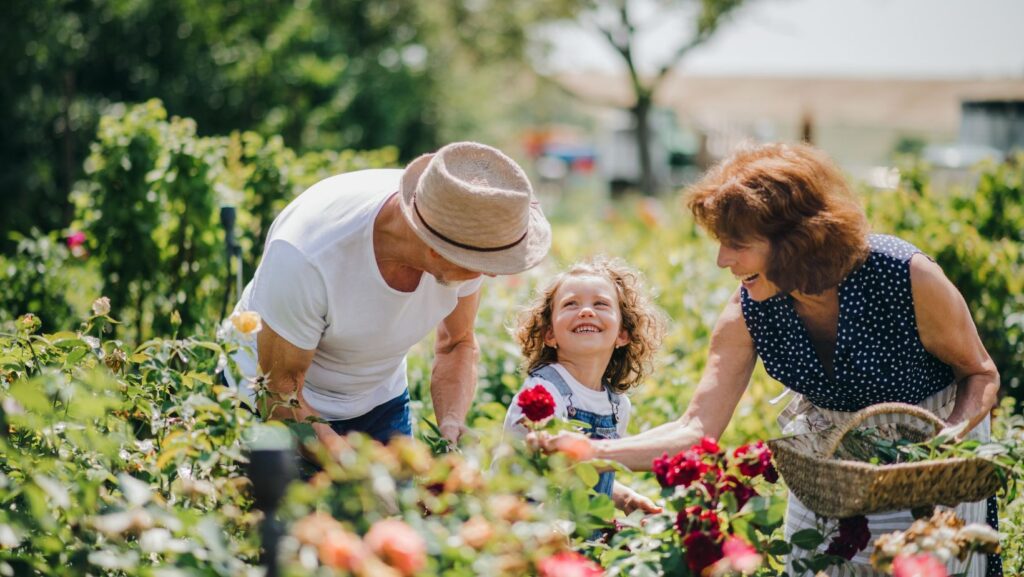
(523, 256)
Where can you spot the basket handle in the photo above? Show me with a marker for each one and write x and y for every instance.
(880, 409)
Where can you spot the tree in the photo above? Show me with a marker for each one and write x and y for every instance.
(322, 74)
(615, 21)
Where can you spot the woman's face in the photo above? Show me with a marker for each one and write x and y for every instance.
(748, 261)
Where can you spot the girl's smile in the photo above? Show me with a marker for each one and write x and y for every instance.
(585, 318)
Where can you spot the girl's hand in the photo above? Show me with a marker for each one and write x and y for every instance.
(627, 500)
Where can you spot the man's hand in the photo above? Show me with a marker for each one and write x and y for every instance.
(332, 442)
(627, 500)
(452, 430)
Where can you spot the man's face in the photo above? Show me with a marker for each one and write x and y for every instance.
(448, 273)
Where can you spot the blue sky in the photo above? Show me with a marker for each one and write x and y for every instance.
(889, 38)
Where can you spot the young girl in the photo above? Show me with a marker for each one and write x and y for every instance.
(588, 338)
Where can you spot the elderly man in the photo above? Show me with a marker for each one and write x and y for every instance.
(363, 265)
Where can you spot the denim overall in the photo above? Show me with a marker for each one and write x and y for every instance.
(598, 426)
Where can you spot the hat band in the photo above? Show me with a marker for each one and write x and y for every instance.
(463, 245)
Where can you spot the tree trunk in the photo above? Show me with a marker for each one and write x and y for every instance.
(641, 113)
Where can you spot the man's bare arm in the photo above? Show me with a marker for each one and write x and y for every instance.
(285, 367)
(453, 378)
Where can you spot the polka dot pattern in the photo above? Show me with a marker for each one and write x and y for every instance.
(879, 356)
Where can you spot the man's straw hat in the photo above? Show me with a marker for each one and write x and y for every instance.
(475, 207)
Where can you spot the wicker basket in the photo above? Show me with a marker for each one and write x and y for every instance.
(837, 488)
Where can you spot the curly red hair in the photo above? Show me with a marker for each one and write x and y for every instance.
(796, 198)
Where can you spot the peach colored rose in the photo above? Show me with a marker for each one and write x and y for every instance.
(575, 447)
(342, 550)
(247, 322)
(476, 532)
(101, 306)
(398, 545)
(510, 508)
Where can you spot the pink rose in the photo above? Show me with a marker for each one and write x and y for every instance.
(922, 565)
(568, 564)
(398, 545)
(76, 238)
(741, 555)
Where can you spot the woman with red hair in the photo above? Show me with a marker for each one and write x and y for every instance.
(842, 317)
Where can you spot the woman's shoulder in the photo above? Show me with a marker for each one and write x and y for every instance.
(889, 248)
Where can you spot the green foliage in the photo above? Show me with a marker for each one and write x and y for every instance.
(118, 460)
(36, 278)
(149, 207)
(977, 236)
(321, 74)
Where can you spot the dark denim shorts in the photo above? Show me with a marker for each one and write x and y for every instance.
(382, 422)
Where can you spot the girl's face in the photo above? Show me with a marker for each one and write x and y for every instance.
(748, 261)
(585, 317)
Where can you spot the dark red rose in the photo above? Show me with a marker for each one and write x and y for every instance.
(537, 403)
(742, 491)
(682, 469)
(855, 531)
(702, 551)
(753, 459)
(771, 474)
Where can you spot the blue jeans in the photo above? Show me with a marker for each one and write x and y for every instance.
(382, 422)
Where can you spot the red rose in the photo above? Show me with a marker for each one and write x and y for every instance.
(568, 564)
(753, 459)
(537, 404)
(709, 446)
(742, 491)
(771, 474)
(682, 469)
(702, 551)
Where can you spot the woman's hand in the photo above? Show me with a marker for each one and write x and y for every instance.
(576, 446)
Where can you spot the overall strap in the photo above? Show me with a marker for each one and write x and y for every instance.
(614, 399)
(551, 375)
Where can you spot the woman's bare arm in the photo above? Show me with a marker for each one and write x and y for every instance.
(947, 331)
(731, 360)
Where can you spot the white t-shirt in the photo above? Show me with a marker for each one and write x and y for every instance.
(583, 398)
(319, 287)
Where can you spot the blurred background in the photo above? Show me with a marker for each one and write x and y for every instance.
(561, 83)
(131, 126)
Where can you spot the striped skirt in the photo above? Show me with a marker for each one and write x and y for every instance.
(800, 416)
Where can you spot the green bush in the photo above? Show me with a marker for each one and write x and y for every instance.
(37, 278)
(977, 236)
(150, 208)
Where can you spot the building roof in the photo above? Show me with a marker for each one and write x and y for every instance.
(910, 104)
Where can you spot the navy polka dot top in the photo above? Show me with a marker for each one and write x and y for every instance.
(878, 358)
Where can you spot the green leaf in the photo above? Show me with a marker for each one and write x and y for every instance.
(587, 473)
(807, 539)
(779, 547)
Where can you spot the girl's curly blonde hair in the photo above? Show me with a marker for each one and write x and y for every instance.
(644, 323)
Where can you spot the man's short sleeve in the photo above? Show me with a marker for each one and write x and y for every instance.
(289, 293)
(469, 287)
